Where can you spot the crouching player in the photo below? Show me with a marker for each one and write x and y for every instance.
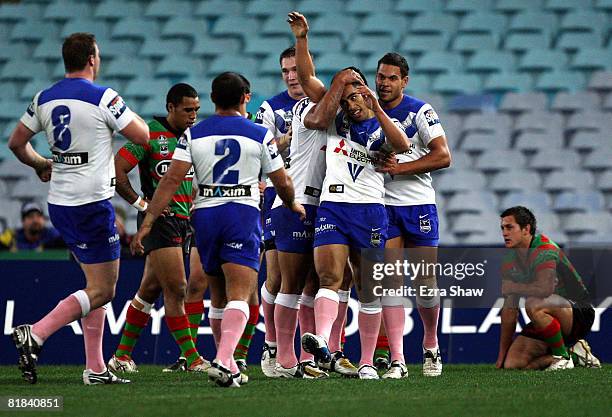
(556, 301)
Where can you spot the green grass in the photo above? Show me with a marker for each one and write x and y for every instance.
(474, 390)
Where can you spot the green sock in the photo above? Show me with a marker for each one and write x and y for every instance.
(179, 327)
(135, 321)
(242, 350)
(552, 335)
(194, 312)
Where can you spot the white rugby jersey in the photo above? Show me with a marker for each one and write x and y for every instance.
(276, 114)
(306, 161)
(350, 175)
(421, 124)
(79, 119)
(228, 152)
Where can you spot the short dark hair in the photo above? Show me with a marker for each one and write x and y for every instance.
(287, 53)
(523, 217)
(397, 60)
(357, 70)
(77, 49)
(178, 91)
(228, 89)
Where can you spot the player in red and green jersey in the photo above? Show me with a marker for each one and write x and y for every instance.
(168, 243)
(557, 301)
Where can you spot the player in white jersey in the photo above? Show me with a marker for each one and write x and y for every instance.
(294, 243)
(351, 215)
(227, 152)
(276, 114)
(410, 201)
(79, 119)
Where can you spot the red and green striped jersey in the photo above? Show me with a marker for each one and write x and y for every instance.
(153, 160)
(542, 254)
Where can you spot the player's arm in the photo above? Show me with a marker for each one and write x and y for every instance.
(284, 141)
(323, 113)
(395, 136)
(542, 286)
(509, 318)
(438, 157)
(312, 86)
(125, 160)
(137, 131)
(19, 144)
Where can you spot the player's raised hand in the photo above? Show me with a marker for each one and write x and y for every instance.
(369, 97)
(136, 246)
(298, 23)
(44, 170)
(299, 209)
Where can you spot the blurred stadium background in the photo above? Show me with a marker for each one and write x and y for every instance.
(523, 87)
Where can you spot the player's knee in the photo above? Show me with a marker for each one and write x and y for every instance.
(515, 362)
(328, 280)
(175, 292)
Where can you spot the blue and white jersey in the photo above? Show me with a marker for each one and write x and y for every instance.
(276, 114)
(421, 124)
(228, 152)
(79, 119)
(306, 161)
(352, 148)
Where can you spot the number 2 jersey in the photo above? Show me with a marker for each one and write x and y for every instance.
(306, 161)
(153, 160)
(228, 152)
(421, 124)
(79, 119)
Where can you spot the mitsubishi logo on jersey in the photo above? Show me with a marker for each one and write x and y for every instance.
(340, 148)
(354, 170)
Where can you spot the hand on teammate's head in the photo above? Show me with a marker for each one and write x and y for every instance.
(298, 24)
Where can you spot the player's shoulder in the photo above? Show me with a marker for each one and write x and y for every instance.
(413, 104)
(541, 241)
(300, 106)
(76, 89)
(229, 126)
(281, 101)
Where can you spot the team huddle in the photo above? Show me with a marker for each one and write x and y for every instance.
(345, 168)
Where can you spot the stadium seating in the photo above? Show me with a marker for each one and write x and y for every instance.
(523, 87)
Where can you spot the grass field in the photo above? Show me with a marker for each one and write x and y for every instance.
(474, 390)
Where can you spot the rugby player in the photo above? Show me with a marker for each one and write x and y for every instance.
(168, 243)
(410, 201)
(228, 152)
(79, 119)
(276, 114)
(556, 300)
(351, 215)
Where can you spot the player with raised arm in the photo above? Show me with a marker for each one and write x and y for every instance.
(351, 215)
(228, 152)
(79, 119)
(276, 114)
(410, 201)
(556, 300)
(168, 243)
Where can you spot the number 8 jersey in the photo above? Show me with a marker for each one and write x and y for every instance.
(228, 153)
(79, 118)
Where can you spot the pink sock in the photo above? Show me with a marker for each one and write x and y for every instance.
(285, 318)
(66, 311)
(234, 366)
(336, 331)
(306, 318)
(429, 316)
(326, 311)
(93, 332)
(267, 302)
(235, 318)
(393, 317)
(369, 325)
